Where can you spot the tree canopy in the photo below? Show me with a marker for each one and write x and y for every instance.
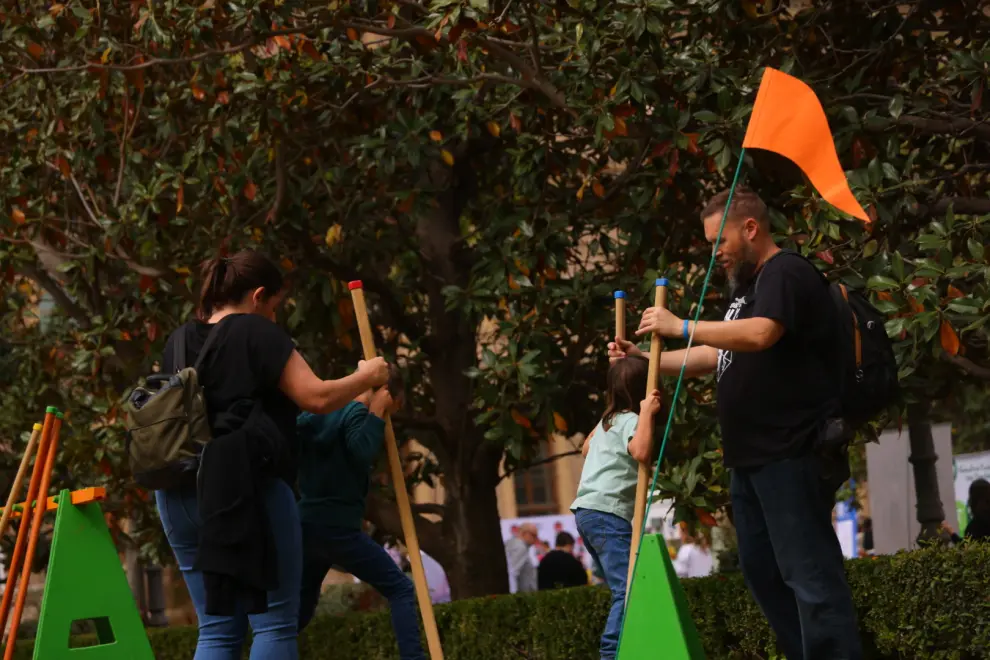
(492, 171)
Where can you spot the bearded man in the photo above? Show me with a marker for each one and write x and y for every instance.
(774, 358)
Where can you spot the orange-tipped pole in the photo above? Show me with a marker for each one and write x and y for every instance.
(15, 488)
(22, 531)
(399, 482)
(645, 472)
(39, 514)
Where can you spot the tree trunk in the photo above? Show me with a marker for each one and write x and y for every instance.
(478, 565)
(930, 512)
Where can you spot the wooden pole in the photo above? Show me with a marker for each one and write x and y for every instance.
(652, 379)
(22, 530)
(39, 514)
(15, 488)
(620, 314)
(399, 482)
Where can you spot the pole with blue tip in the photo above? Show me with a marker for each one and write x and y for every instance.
(645, 473)
(620, 314)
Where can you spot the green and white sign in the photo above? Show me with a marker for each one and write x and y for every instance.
(967, 469)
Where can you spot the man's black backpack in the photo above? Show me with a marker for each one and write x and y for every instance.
(868, 366)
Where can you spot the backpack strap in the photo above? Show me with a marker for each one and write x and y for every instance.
(857, 337)
(179, 349)
(207, 345)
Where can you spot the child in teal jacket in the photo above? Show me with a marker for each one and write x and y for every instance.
(337, 453)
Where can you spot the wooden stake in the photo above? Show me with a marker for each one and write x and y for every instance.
(22, 531)
(645, 472)
(39, 514)
(15, 488)
(399, 482)
(620, 314)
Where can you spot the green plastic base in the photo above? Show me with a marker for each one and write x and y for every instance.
(658, 621)
(86, 582)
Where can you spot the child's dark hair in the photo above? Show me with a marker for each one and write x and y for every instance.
(625, 386)
(396, 384)
(227, 280)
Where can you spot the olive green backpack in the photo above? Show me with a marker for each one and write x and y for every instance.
(167, 425)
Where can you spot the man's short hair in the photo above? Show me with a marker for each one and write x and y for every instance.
(564, 539)
(745, 204)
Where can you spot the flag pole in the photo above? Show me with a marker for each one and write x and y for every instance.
(399, 483)
(680, 379)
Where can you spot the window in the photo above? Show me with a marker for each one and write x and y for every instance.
(536, 493)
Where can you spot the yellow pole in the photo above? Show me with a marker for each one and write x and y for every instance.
(15, 488)
(399, 482)
(643, 484)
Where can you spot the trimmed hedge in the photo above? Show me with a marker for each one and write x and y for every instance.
(929, 603)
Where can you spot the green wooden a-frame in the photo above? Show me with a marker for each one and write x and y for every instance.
(86, 582)
(658, 621)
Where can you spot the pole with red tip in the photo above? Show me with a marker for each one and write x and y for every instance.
(399, 482)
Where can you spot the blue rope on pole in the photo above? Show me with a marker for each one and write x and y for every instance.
(680, 380)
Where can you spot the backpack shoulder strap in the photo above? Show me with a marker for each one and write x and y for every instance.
(207, 345)
(179, 349)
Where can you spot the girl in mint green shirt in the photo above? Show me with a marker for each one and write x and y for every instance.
(607, 493)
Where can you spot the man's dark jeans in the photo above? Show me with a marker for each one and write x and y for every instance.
(791, 559)
(356, 553)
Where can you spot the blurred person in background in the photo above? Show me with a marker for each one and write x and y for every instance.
(559, 568)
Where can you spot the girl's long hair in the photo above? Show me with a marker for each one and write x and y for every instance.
(625, 387)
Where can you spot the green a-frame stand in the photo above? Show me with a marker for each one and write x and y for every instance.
(86, 582)
(658, 621)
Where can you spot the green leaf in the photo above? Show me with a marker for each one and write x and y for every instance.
(870, 248)
(882, 283)
(975, 249)
(706, 116)
(896, 106)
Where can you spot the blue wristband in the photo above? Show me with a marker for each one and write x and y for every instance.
(685, 331)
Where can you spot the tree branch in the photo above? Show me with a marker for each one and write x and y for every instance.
(395, 312)
(125, 136)
(198, 57)
(957, 127)
(531, 77)
(968, 366)
(960, 205)
(542, 461)
(72, 308)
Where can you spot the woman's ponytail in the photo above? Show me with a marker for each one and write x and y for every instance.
(227, 280)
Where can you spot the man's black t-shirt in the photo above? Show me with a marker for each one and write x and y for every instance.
(560, 569)
(772, 403)
(244, 362)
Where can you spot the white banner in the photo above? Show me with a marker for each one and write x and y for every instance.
(967, 469)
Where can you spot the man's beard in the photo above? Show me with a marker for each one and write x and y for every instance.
(744, 270)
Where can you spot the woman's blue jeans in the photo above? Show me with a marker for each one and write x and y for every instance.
(222, 637)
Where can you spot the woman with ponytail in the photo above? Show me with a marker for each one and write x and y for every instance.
(235, 532)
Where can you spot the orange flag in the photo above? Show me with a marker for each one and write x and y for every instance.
(789, 120)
